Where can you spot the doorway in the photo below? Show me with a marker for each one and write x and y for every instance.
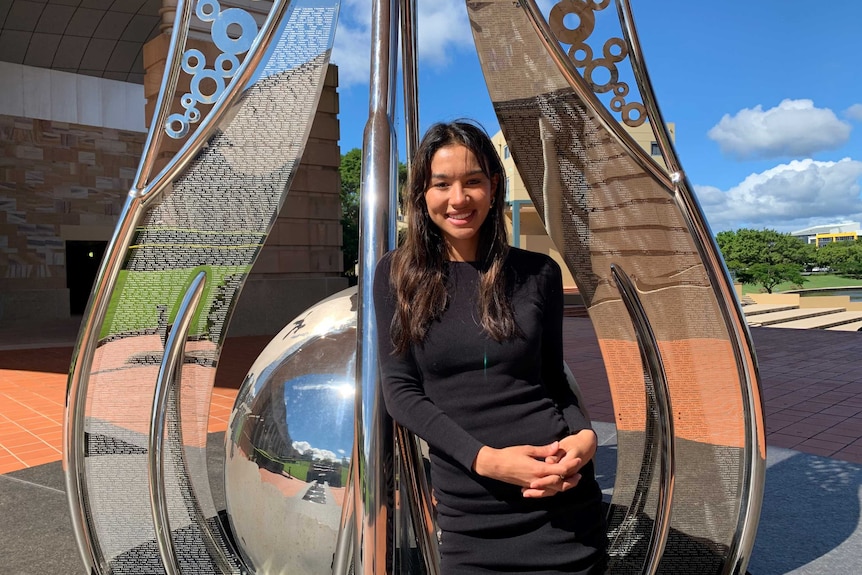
(82, 264)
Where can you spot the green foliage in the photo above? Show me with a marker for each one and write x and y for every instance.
(748, 247)
(351, 179)
(843, 257)
(765, 257)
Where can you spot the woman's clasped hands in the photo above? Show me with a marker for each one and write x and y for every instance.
(540, 471)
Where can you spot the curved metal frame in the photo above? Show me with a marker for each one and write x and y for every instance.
(166, 386)
(76, 393)
(656, 387)
(179, 35)
(377, 234)
(755, 430)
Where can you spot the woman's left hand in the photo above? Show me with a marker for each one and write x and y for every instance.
(574, 452)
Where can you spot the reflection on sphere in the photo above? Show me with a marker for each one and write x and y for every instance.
(289, 441)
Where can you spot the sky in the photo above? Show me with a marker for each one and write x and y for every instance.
(766, 97)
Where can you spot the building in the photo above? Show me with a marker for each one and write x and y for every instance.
(828, 233)
(78, 82)
(526, 227)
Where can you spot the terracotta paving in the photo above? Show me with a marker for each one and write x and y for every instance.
(33, 390)
(812, 387)
(811, 384)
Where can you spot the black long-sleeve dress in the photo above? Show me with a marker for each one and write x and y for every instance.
(460, 390)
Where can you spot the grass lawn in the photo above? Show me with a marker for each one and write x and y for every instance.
(298, 469)
(137, 294)
(814, 281)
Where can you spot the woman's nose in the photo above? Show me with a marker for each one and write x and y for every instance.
(458, 195)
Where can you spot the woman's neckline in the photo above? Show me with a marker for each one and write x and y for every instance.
(462, 263)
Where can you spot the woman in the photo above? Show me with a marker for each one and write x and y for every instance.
(470, 337)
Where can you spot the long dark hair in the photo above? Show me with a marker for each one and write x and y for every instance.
(418, 273)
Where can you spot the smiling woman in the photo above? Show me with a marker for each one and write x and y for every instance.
(470, 341)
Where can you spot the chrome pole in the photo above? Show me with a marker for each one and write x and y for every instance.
(411, 471)
(410, 78)
(372, 549)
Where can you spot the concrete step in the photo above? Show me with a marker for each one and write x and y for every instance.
(760, 308)
(854, 326)
(823, 321)
(771, 318)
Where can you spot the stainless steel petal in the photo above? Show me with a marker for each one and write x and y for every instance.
(604, 201)
(211, 210)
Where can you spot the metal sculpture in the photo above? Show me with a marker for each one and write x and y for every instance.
(680, 363)
(188, 235)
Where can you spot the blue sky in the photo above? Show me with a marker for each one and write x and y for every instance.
(766, 97)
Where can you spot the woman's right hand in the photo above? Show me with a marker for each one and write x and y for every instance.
(520, 465)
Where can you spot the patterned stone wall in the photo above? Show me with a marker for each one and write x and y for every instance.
(58, 181)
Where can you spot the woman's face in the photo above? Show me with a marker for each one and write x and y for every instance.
(458, 199)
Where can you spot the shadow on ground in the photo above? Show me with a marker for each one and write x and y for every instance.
(810, 522)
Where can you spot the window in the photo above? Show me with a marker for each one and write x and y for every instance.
(654, 149)
(505, 152)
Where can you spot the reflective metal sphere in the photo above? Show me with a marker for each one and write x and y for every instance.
(289, 441)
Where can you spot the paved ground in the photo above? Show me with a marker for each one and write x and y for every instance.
(812, 386)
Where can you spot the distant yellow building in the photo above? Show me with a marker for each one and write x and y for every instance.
(823, 234)
(525, 224)
(823, 239)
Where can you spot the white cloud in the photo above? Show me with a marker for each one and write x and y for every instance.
(787, 197)
(303, 446)
(854, 112)
(443, 30)
(351, 49)
(793, 128)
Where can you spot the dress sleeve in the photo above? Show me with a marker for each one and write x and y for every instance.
(553, 372)
(402, 387)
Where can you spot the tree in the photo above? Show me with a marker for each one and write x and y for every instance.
(843, 257)
(764, 257)
(770, 275)
(351, 179)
